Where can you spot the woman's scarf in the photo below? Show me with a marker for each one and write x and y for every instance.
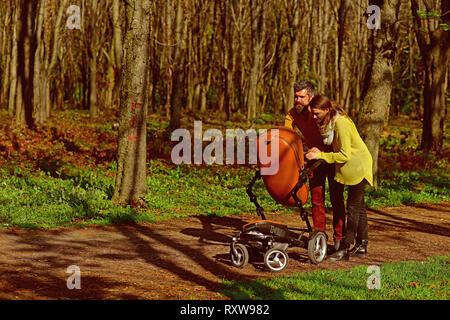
(328, 132)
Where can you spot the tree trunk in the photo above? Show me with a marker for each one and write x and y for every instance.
(435, 53)
(377, 99)
(228, 61)
(93, 87)
(168, 54)
(14, 63)
(293, 69)
(6, 42)
(258, 28)
(94, 51)
(130, 183)
(434, 95)
(26, 50)
(204, 91)
(343, 63)
(360, 56)
(117, 45)
(190, 72)
(110, 77)
(325, 24)
(207, 59)
(39, 102)
(50, 61)
(177, 84)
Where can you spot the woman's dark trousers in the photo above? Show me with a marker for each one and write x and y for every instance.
(356, 226)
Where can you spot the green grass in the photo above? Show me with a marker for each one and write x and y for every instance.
(214, 190)
(72, 196)
(409, 188)
(411, 280)
(33, 200)
(78, 197)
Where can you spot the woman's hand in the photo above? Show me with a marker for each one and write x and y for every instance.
(311, 155)
(314, 149)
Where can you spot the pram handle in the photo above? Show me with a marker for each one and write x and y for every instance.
(313, 167)
(303, 175)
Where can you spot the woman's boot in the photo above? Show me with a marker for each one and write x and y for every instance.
(360, 249)
(341, 253)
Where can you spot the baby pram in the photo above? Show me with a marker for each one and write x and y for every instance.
(287, 187)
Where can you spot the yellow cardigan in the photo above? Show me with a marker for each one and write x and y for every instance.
(351, 156)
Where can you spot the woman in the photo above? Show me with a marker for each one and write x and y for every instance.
(353, 164)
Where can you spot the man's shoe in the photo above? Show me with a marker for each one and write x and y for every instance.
(360, 249)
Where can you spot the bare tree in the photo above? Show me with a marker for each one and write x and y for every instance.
(178, 71)
(228, 58)
(434, 45)
(293, 8)
(377, 99)
(26, 51)
(7, 25)
(95, 36)
(258, 20)
(132, 150)
(14, 62)
(117, 45)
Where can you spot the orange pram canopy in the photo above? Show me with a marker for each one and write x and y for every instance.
(290, 161)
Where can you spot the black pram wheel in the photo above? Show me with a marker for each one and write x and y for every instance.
(276, 259)
(239, 256)
(317, 247)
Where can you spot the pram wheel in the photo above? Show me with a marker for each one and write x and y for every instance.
(239, 256)
(276, 259)
(317, 247)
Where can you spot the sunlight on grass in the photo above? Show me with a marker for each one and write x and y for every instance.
(411, 280)
(73, 196)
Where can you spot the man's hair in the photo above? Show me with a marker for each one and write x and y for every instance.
(304, 84)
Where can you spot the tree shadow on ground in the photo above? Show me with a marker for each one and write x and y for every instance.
(196, 265)
(45, 276)
(409, 224)
(208, 232)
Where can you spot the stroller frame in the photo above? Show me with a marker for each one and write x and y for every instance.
(273, 238)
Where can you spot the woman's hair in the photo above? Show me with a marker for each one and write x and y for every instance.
(322, 102)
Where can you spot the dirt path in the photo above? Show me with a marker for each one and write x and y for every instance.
(187, 258)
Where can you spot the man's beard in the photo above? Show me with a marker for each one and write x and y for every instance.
(299, 107)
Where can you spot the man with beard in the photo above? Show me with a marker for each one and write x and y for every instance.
(300, 116)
